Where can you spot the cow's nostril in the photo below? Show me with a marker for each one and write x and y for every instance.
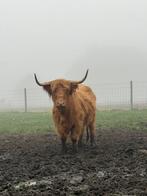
(61, 104)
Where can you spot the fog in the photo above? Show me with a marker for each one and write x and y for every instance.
(61, 39)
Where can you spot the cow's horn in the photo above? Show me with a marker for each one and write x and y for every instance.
(81, 81)
(40, 84)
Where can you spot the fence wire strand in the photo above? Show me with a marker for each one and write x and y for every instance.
(109, 96)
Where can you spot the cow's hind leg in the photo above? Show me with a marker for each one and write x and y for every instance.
(92, 134)
(87, 134)
(80, 143)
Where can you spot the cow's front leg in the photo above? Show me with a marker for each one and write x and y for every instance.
(74, 139)
(92, 135)
(64, 147)
(80, 144)
(74, 146)
(63, 136)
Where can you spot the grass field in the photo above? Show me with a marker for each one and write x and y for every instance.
(19, 122)
(15, 122)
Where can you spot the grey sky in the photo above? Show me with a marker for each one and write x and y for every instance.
(58, 38)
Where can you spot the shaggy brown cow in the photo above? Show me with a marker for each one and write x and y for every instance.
(74, 109)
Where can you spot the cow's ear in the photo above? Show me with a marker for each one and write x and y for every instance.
(73, 87)
(48, 89)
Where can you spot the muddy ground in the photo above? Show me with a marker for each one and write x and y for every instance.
(33, 165)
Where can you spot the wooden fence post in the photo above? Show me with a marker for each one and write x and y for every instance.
(131, 95)
(25, 99)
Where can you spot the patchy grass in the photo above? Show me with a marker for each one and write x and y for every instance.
(122, 120)
(15, 122)
(18, 122)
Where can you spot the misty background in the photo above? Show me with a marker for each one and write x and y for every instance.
(61, 39)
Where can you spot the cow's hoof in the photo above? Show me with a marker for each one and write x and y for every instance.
(80, 145)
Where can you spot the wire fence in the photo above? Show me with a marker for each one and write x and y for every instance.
(119, 96)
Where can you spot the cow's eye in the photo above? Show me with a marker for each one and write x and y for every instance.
(55, 90)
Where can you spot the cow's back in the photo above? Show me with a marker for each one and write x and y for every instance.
(86, 91)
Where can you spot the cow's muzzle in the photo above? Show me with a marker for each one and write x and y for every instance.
(61, 109)
(61, 106)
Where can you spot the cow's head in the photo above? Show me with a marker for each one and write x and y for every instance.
(60, 91)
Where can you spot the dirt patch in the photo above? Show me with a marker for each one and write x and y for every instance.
(33, 165)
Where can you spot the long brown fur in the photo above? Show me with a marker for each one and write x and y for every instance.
(79, 112)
